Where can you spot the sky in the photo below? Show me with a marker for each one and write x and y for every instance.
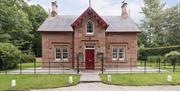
(102, 7)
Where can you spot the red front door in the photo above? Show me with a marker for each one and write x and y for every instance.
(89, 64)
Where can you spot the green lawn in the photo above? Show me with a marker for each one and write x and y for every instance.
(140, 79)
(168, 66)
(24, 66)
(37, 81)
(27, 65)
(30, 65)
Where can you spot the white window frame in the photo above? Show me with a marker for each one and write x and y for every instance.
(89, 33)
(124, 53)
(117, 54)
(65, 59)
(62, 53)
(114, 59)
(55, 52)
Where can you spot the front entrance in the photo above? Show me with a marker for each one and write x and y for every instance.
(89, 59)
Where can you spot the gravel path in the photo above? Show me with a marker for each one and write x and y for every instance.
(104, 87)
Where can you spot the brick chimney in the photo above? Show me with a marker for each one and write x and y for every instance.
(124, 13)
(54, 8)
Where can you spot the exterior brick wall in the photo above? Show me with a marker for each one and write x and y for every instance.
(127, 40)
(51, 39)
(78, 40)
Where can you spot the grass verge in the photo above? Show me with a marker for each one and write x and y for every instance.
(30, 65)
(140, 79)
(37, 81)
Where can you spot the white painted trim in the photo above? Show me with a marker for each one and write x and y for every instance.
(93, 28)
(123, 59)
(61, 59)
(118, 59)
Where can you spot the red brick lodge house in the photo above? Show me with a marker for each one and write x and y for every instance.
(89, 35)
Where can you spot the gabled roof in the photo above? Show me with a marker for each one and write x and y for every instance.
(62, 23)
(89, 11)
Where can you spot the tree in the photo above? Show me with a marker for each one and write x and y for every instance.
(16, 28)
(37, 15)
(172, 25)
(19, 23)
(152, 25)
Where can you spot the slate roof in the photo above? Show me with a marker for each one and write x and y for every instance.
(62, 23)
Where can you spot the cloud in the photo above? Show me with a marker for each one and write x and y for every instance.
(102, 7)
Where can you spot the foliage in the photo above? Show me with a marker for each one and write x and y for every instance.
(37, 81)
(18, 24)
(15, 24)
(172, 23)
(28, 57)
(37, 15)
(172, 54)
(152, 23)
(154, 59)
(159, 51)
(9, 56)
(160, 27)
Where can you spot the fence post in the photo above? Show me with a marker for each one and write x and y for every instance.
(174, 64)
(117, 66)
(77, 64)
(145, 65)
(60, 69)
(63, 66)
(49, 67)
(102, 64)
(159, 64)
(20, 67)
(34, 67)
(164, 63)
(131, 64)
(6, 68)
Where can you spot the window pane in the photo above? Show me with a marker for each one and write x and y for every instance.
(64, 49)
(58, 53)
(114, 53)
(65, 53)
(58, 50)
(89, 27)
(121, 53)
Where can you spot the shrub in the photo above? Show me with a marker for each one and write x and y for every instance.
(9, 56)
(159, 51)
(173, 54)
(28, 57)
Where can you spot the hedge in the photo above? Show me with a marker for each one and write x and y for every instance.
(159, 51)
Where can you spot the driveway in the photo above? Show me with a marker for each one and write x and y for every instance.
(104, 87)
